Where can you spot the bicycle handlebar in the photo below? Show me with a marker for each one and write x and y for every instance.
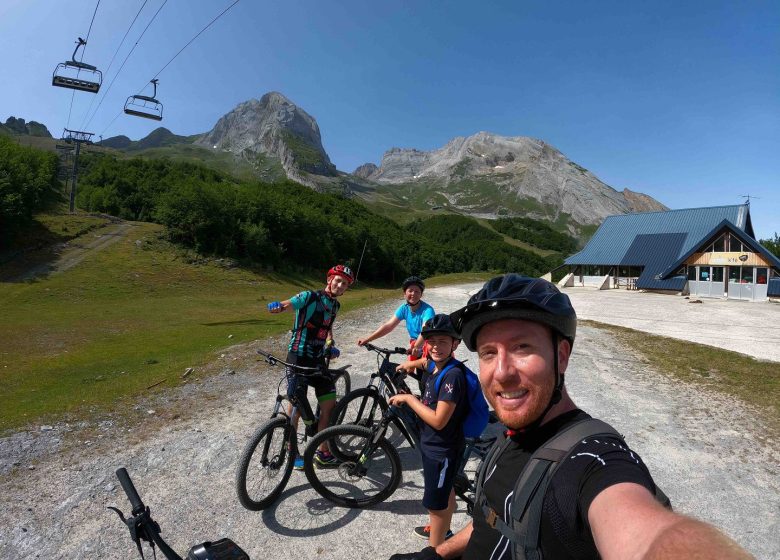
(132, 494)
(299, 370)
(388, 351)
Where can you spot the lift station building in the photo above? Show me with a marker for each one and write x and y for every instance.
(705, 252)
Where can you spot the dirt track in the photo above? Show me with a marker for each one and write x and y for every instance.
(706, 452)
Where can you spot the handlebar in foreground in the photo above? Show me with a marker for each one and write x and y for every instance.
(143, 528)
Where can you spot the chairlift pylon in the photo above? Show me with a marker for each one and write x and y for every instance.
(69, 74)
(145, 106)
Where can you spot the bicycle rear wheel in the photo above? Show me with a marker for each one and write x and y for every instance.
(354, 483)
(362, 407)
(266, 464)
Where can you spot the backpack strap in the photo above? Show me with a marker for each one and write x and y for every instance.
(529, 491)
(451, 363)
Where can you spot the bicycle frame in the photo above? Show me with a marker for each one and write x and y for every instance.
(309, 417)
(385, 372)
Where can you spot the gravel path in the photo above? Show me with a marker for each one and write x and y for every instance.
(707, 453)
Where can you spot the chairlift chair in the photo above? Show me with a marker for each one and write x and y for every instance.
(145, 106)
(69, 74)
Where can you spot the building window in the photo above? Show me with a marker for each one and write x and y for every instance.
(735, 245)
(734, 274)
(761, 275)
(691, 273)
(720, 244)
(747, 275)
(717, 274)
(704, 274)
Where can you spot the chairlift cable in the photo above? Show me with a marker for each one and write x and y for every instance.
(178, 53)
(196, 36)
(85, 123)
(123, 64)
(73, 95)
(90, 29)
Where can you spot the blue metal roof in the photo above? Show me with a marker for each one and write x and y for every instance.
(611, 243)
(654, 252)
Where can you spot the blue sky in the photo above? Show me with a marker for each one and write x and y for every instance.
(679, 100)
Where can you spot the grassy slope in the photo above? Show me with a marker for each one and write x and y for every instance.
(755, 382)
(127, 317)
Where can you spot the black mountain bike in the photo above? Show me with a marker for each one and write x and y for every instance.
(143, 528)
(268, 458)
(370, 467)
(365, 406)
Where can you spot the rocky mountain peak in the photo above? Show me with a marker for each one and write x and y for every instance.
(511, 168)
(273, 125)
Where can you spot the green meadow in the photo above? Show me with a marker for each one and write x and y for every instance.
(130, 316)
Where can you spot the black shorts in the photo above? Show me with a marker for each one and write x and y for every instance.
(439, 476)
(324, 386)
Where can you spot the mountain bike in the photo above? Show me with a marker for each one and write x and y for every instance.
(365, 406)
(267, 461)
(143, 528)
(370, 467)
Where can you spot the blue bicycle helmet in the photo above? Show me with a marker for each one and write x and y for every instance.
(440, 323)
(514, 296)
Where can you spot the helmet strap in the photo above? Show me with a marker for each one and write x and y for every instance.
(557, 393)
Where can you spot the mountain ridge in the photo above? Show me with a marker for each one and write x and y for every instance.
(484, 175)
(518, 167)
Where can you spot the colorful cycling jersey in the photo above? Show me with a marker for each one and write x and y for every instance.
(314, 316)
(414, 319)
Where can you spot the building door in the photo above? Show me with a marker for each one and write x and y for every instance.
(762, 277)
(708, 281)
(742, 283)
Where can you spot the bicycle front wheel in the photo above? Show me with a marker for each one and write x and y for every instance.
(370, 477)
(266, 464)
(363, 407)
(342, 381)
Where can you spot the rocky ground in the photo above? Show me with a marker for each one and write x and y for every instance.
(181, 447)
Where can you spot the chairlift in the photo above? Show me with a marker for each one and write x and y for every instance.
(145, 106)
(69, 74)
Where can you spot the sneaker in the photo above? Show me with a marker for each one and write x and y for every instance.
(298, 464)
(325, 459)
(424, 532)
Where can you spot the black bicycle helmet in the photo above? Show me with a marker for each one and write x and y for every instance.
(439, 324)
(413, 280)
(514, 296)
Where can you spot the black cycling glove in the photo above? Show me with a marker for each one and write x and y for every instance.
(427, 553)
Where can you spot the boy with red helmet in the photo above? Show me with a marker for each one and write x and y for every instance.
(312, 342)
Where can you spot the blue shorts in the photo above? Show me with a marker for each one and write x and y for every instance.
(439, 475)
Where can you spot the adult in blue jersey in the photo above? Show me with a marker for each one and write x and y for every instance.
(311, 343)
(414, 312)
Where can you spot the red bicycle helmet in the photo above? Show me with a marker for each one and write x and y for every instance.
(342, 270)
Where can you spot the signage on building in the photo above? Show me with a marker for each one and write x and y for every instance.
(726, 259)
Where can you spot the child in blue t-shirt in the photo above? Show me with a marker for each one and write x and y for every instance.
(441, 414)
(414, 312)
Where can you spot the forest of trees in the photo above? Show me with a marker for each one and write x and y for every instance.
(28, 184)
(537, 233)
(284, 224)
(772, 244)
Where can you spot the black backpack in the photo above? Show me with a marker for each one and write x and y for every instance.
(528, 498)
